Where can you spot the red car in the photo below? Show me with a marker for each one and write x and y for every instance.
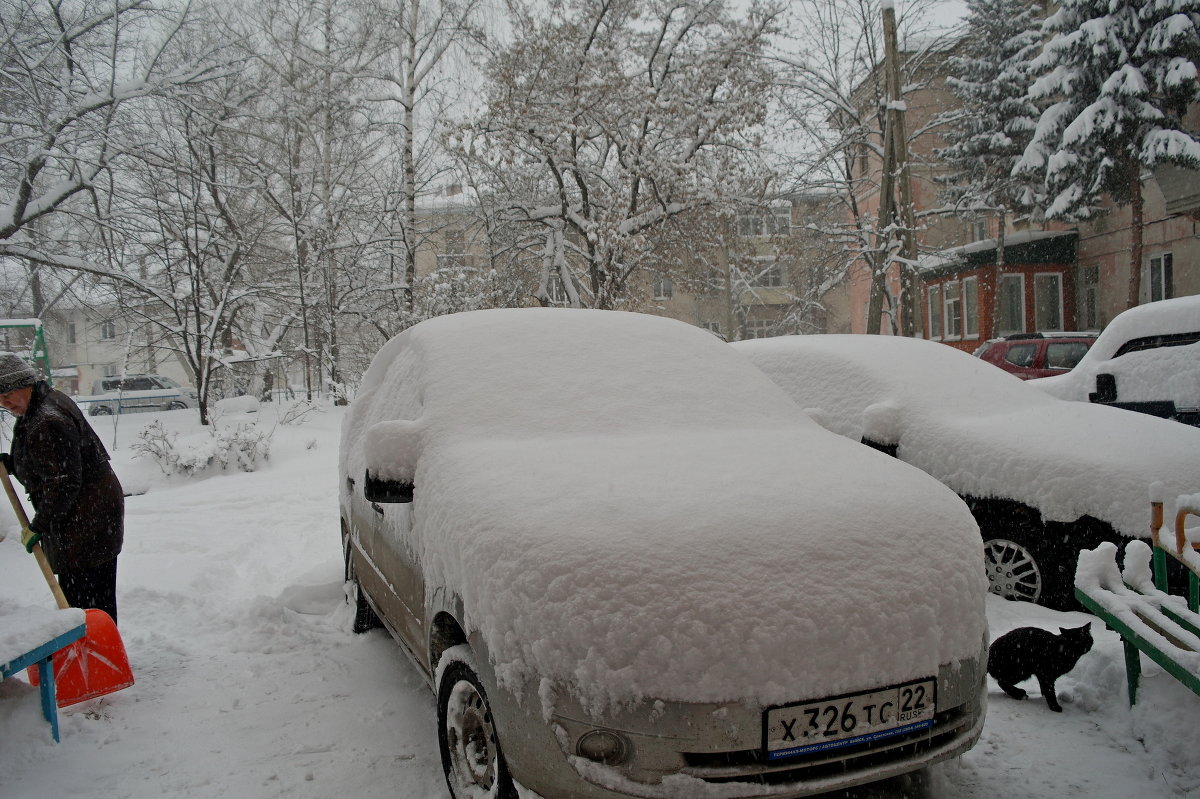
(1029, 355)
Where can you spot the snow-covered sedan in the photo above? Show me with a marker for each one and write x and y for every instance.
(628, 565)
(1044, 477)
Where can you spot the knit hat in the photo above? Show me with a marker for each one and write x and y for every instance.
(15, 372)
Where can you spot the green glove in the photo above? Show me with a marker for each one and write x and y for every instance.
(30, 538)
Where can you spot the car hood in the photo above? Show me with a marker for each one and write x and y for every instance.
(619, 565)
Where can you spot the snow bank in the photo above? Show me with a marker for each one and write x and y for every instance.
(22, 628)
(983, 432)
(616, 498)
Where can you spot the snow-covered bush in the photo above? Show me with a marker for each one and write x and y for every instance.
(239, 446)
(299, 411)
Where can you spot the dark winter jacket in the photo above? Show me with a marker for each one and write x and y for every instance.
(79, 504)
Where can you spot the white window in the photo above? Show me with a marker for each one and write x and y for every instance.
(971, 307)
(663, 288)
(1160, 278)
(776, 221)
(952, 304)
(1089, 298)
(556, 290)
(766, 272)
(1012, 305)
(1047, 301)
(108, 329)
(935, 312)
(760, 328)
(712, 327)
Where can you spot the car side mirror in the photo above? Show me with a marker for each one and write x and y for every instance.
(378, 489)
(391, 450)
(1106, 389)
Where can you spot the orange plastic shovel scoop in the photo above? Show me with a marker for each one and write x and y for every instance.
(94, 665)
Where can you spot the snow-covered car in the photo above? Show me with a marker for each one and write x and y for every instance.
(1045, 478)
(1147, 360)
(137, 393)
(628, 565)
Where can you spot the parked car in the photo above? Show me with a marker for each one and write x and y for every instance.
(1045, 478)
(628, 565)
(1146, 360)
(137, 393)
(1029, 355)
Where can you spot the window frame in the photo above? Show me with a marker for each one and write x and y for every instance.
(970, 307)
(1039, 278)
(1163, 264)
(1019, 279)
(934, 300)
(952, 311)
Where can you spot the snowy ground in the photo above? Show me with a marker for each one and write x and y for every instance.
(251, 685)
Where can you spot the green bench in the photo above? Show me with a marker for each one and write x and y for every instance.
(1134, 602)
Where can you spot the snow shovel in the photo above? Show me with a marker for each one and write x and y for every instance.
(94, 665)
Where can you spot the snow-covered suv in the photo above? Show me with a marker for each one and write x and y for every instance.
(628, 565)
(1030, 355)
(1146, 360)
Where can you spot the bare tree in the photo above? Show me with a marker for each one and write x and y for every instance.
(70, 72)
(607, 118)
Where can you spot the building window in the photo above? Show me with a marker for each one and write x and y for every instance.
(1161, 279)
(663, 288)
(952, 303)
(556, 290)
(760, 328)
(108, 329)
(712, 327)
(1012, 305)
(767, 273)
(935, 312)
(772, 222)
(971, 307)
(1047, 301)
(979, 229)
(70, 332)
(1089, 298)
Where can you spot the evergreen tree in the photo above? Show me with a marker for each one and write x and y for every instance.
(990, 75)
(1117, 77)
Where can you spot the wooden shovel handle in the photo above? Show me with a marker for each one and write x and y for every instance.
(38, 554)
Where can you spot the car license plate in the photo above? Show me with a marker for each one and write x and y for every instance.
(839, 721)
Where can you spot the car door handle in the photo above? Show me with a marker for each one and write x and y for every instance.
(375, 506)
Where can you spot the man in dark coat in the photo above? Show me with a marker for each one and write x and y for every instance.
(78, 502)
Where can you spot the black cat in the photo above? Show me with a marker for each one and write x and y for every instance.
(1031, 652)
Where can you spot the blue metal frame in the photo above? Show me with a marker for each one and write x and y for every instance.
(42, 656)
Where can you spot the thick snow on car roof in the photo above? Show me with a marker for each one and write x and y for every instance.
(629, 508)
(982, 431)
(1162, 373)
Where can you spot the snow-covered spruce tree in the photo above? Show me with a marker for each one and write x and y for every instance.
(988, 134)
(1117, 79)
(990, 131)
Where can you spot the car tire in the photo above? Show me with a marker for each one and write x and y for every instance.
(1013, 569)
(365, 618)
(176, 406)
(100, 410)
(472, 761)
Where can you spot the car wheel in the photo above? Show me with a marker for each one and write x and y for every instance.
(1013, 570)
(176, 406)
(100, 410)
(471, 758)
(365, 618)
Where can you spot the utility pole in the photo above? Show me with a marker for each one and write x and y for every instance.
(895, 213)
